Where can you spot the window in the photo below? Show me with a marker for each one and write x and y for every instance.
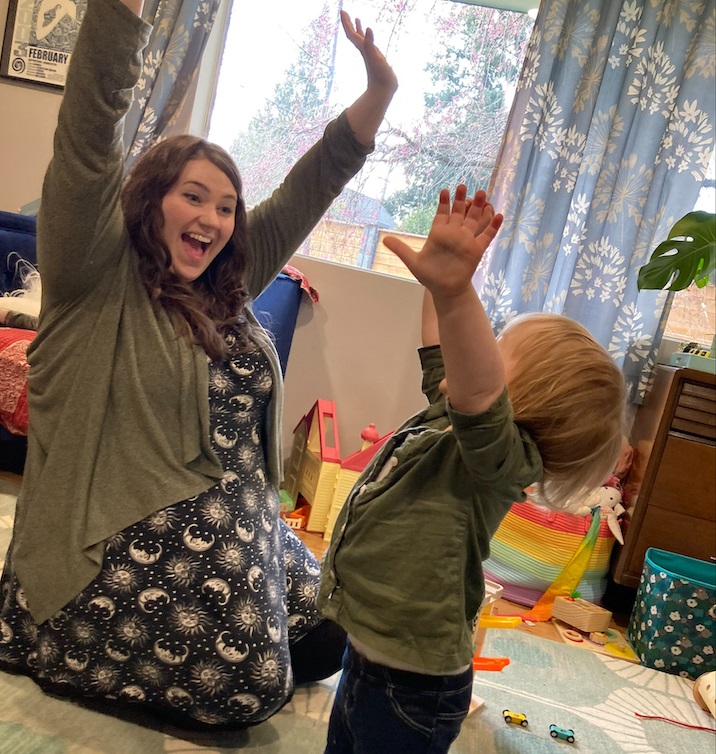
(458, 66)
(693, 312)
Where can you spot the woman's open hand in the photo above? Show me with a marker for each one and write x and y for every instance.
(380, 74)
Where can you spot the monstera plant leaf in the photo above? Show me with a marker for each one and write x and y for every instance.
(687, 256)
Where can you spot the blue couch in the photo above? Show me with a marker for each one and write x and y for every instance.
(276, 308)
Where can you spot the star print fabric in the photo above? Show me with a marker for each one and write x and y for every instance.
(195, 606)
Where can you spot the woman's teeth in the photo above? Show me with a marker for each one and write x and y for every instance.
(203, 240)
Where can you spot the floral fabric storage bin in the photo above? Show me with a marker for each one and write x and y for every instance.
(673, 623)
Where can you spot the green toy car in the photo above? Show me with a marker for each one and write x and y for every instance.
(564, 733)
(515, 717)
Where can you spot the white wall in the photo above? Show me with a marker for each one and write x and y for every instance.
(357, 347)
(28, 115)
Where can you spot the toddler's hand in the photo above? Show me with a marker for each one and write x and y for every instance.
(457, 242)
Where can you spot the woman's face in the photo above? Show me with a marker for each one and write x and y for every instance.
(198, 217)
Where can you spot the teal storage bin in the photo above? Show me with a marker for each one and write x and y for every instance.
(673, 623)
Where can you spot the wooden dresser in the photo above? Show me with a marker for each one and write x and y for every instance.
(675, 507)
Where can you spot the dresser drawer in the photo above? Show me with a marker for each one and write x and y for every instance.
(695, 411)
(675, 532)
(674, 509)
(686, 479)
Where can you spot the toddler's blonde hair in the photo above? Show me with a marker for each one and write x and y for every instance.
(569, 394)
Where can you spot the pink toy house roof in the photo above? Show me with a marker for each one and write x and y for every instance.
(359, 460)
(323, 410)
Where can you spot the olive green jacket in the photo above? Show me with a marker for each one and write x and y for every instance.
(403, 573)
(119, 417)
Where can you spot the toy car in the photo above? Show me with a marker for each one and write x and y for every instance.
(515, 717)
(564, 733)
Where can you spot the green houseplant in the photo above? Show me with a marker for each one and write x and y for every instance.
(687, 256)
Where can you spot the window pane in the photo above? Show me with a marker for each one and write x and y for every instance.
(693, 311)
(458, 66)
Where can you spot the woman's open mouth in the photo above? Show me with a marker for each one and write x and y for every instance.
(195, 245)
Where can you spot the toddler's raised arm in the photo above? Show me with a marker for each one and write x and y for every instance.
(458, 239)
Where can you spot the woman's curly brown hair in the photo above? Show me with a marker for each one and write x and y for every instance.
(205, 309)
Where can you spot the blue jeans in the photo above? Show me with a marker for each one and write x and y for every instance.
(378, 709)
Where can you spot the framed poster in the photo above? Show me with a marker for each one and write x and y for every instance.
(39, 38)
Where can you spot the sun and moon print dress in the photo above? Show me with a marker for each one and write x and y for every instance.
(195, 606)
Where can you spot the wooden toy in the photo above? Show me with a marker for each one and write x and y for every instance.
(599, 637)
(616, 644)
(705, 692)
(585, 616)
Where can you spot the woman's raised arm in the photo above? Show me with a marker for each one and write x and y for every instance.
(80, 225)
(366, 114)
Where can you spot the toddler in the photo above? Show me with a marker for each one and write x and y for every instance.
(540, 405)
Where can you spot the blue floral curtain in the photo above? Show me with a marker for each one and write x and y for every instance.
(607, 144)
(171, 59)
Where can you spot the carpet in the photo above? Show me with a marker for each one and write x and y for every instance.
(550, 683)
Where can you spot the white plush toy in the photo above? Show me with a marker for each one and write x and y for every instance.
(609, 500)
(25, 300)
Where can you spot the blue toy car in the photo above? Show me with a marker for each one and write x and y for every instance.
(564, 733)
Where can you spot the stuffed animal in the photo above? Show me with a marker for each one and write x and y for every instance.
(610, 508)
(601, 497)
(609, 500)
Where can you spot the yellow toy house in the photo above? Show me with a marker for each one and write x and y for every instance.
(315, 461)
(315, 471)
(349, 471)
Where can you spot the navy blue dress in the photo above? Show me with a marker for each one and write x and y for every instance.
(195, 606)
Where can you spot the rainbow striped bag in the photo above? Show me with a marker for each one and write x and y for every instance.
(533, 545)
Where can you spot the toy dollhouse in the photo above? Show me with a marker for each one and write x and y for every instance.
(315, 470)
(314, 462)
(349, 472)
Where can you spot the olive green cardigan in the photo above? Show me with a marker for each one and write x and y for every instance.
(119, 418)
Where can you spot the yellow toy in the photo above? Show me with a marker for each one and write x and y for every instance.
(486, 620)
(349, 472)
(570, 576)
(315, 461)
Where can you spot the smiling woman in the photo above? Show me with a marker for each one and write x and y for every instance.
(148, 529)
(184, 206)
